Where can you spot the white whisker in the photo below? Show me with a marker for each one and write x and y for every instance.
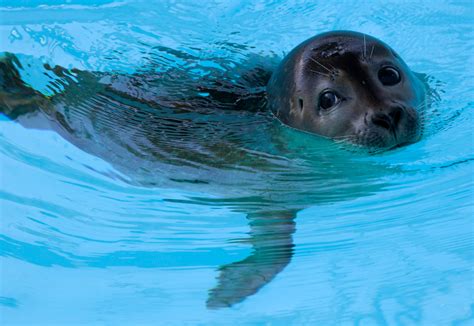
(365, 48)
(320, 64)
(320, 73)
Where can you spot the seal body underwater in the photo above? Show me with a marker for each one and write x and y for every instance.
(341, 85)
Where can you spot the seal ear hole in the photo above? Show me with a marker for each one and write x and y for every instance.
(300, 103)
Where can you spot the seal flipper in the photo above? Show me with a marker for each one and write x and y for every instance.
(271, 236)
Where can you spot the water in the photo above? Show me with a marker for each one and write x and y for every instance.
(98, 234)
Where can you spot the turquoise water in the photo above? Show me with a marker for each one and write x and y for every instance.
(95, 234)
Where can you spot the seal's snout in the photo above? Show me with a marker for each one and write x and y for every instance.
(389, 120)
(382, 120)
(390, 127)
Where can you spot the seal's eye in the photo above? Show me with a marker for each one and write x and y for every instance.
(328, 99)
(389, 76)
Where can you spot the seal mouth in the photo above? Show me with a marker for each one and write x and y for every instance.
(378, 137)
(381, 132)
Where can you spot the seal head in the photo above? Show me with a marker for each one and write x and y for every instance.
(348, 86)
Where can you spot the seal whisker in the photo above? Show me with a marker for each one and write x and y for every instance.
(420, 108)
(365, 48)
(372, 51)
(318, 72)
(332, 67)
(345, 139)
(323, 66)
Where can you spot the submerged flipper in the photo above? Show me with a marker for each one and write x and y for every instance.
(271, 236)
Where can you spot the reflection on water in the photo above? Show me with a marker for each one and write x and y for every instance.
(162, 159)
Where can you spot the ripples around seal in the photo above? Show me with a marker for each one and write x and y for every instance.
(146, 235)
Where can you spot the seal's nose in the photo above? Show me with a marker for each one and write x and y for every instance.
(388, 120)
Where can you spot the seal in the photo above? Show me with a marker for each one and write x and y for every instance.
(349, 86)
(210, 133)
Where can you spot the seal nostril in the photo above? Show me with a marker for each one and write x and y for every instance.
(396, 115)
(382, 120)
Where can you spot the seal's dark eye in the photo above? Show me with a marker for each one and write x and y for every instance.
(328, 99)
(389, 76)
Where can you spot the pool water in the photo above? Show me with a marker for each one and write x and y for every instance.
(95, 234)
